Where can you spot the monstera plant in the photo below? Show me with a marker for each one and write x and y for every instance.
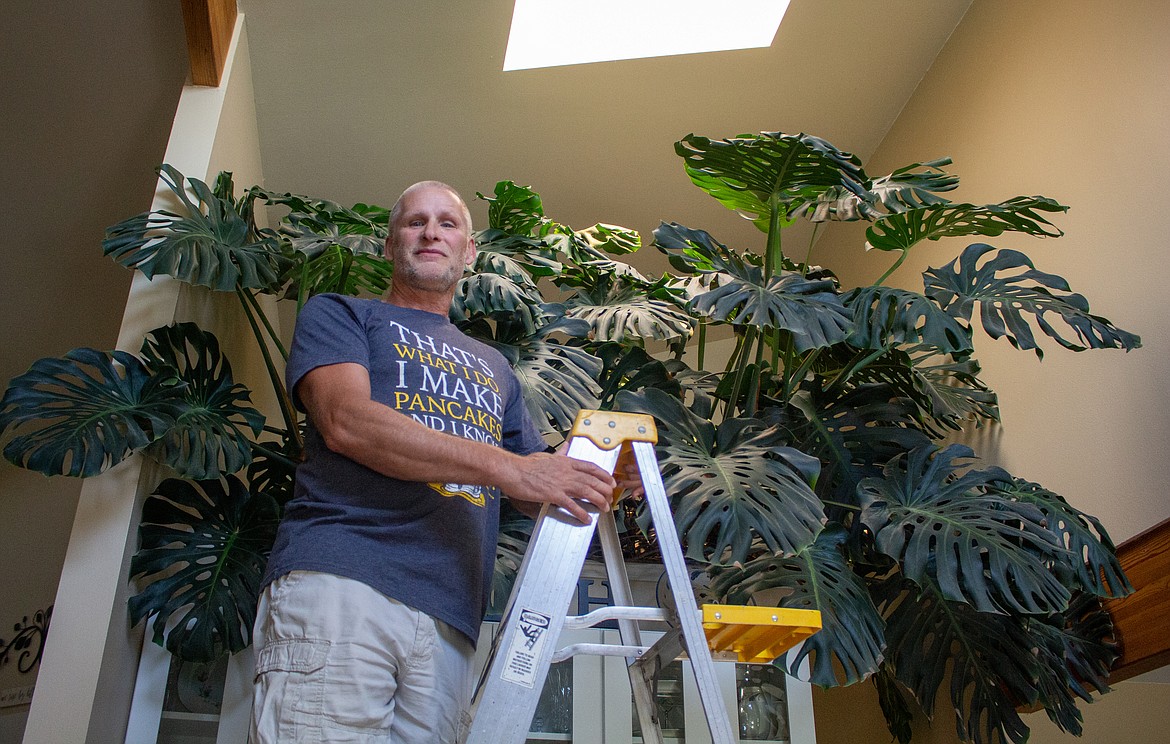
(810, 471)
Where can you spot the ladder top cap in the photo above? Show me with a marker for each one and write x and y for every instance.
(714, 614)
(610, 429)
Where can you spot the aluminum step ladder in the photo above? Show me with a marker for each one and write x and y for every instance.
(526, 644)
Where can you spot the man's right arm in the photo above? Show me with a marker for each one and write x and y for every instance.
(337, 398)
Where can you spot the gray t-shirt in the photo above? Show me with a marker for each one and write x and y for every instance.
(427, 545)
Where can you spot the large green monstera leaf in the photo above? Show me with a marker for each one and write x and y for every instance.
(86, 412)
(731, 484)
(557, 380)
(619, 309)
(911, 187)
(952, 530)
(1092, 557)
(521, 259)
(487, 294)
(885, 316)
(990, 658)
(334, 248)
(764, 175)
(1076, 650)
(514, 209)
(1007, 286)
(333, 267)
(817, 578)
(809, 310)
(210, 437)
(851, 432)
(211, 246)
(741, 294)
(697, 252)
(902, 230)
(203, 547)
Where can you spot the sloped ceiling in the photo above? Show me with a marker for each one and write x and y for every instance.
(358, 99)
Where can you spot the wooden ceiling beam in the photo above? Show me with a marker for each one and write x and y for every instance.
(209, 25)
(1142, 620)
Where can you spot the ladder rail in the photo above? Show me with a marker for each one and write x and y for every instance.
(517, 670)
(536, 611)
(690, 624)
(645, 692)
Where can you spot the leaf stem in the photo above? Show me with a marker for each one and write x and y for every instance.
(282, 397)
(274, 454)
(892, 269)
(702, 351)
(852, 507)
(749, 338)
(272, 335)
(808, 256)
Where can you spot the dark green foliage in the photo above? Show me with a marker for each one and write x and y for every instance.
(820, 577)
(988, 656)
(885, 316)
(1092, 564)
(750, 174)
(894, 705)
(806, 471)
(86, 412)
(212, 435)
(177, 403)
(203, 546)
(1006, 286)
(951, 529)
(331, 248)
(900, 231)
(731, 484)
(210, 246)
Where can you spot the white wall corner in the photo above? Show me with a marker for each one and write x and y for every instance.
(87, 676)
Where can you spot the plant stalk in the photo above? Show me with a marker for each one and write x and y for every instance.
(892, 269)
(749, 338)
(282, 397)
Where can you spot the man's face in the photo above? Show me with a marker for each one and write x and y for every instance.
(430, 242)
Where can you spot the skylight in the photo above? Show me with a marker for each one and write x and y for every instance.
(549, 33)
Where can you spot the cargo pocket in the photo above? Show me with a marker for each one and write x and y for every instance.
(294, 670)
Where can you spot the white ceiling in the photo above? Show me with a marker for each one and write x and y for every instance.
(358, 99)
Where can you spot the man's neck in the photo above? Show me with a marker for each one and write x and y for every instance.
(430, 302)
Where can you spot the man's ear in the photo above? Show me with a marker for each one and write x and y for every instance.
(471, 251)
(386, 254)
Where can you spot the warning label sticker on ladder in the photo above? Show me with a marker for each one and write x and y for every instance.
(520, 665)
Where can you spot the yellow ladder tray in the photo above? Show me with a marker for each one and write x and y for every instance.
(757, 635)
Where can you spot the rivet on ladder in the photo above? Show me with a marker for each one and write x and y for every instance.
(606, 440)
(612, 424)
(587, 422)
(641, 429)
(774, 618)
(718, 615)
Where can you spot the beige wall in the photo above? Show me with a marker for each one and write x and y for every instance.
(1067, 99)
(89, 92)
(89, 670)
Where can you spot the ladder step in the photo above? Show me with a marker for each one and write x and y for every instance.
(598, 649)
(758, 635)
(644, 614)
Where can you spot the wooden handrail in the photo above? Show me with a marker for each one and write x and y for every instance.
(209, 25)
(1142, 620)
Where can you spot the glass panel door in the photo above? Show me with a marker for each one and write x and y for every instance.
(671, 710)
(762, 695)
(553, 719)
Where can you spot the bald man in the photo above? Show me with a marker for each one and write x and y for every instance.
(378, 580)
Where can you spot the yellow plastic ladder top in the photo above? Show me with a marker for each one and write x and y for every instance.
(757, 635)
(753, 634)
